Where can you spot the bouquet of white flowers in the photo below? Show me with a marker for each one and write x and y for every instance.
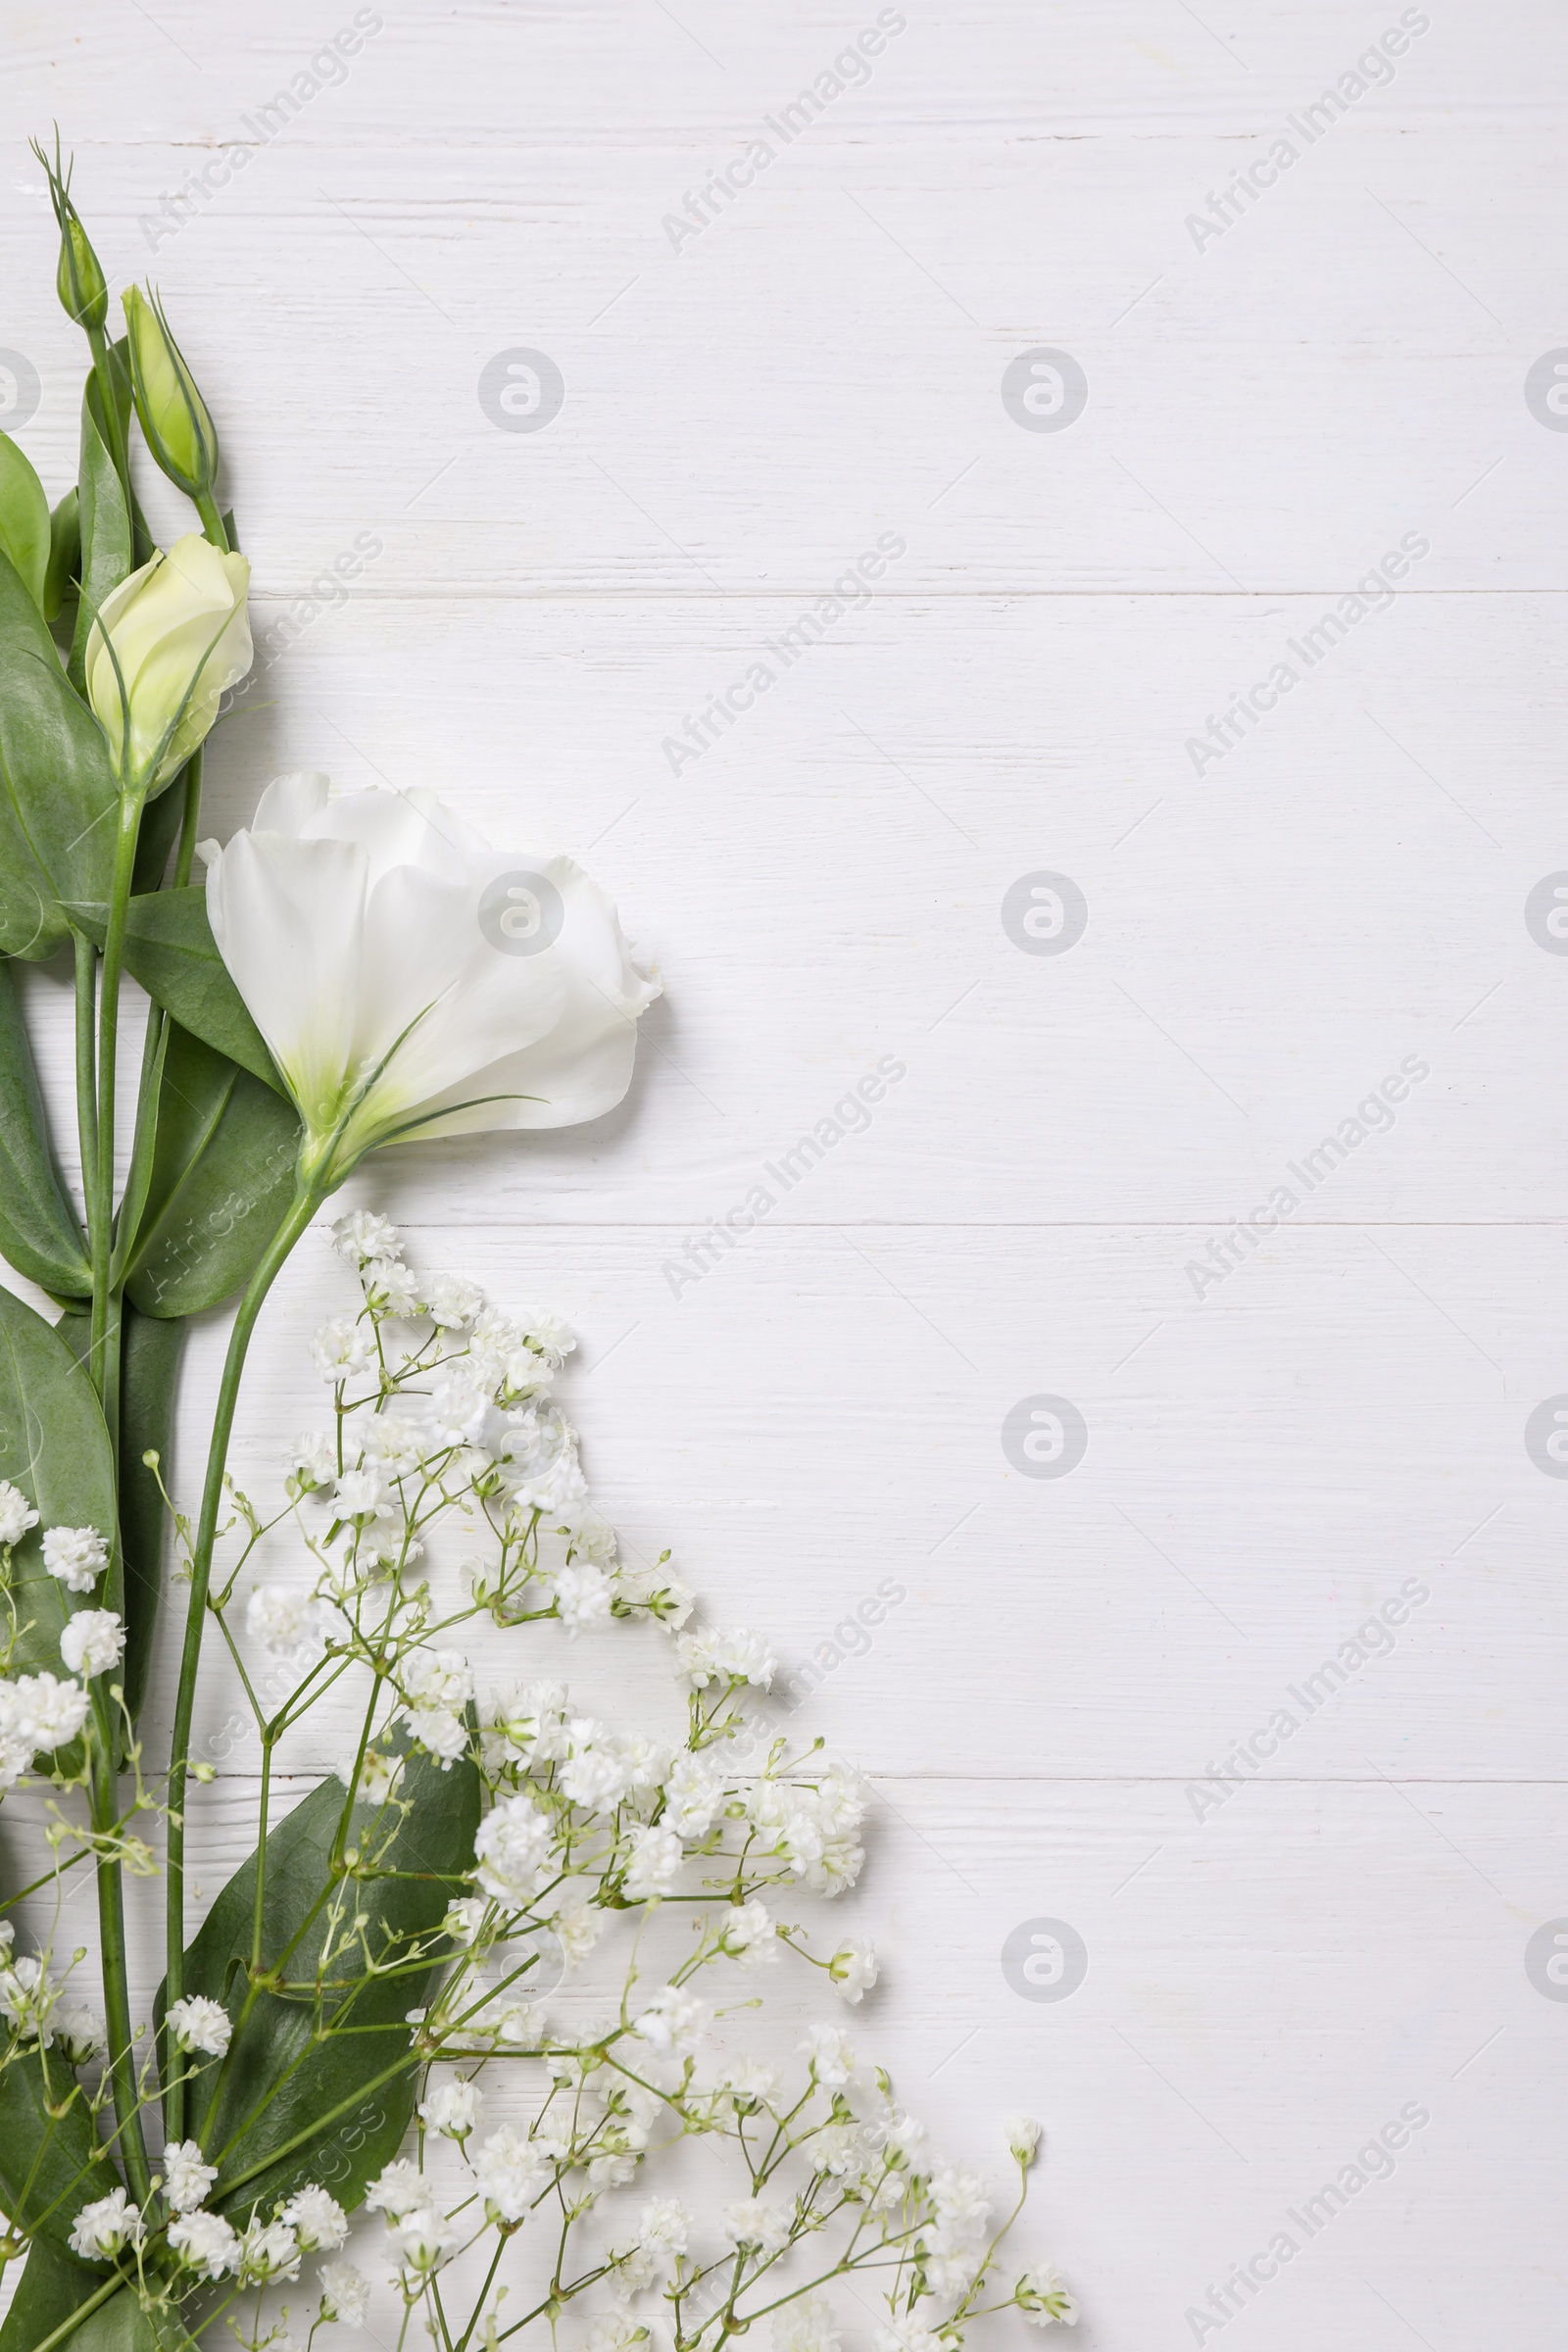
(494, 1968)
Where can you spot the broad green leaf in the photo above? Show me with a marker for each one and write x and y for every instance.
(106, 542)
(53, 2286)
(170, 950)
(50, 2163)
(65, 562)
(149, 1368)
(222, 1176)
(24, 520)
(54, 1446)
(122, 2325)
(57, 796)
(161, 821)
(38, 1230)
(280, 2084)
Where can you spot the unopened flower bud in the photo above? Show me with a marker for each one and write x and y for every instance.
(175, 418)
(79, 279)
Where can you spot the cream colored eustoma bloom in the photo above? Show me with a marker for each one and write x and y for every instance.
(411, 981)
(180, 638)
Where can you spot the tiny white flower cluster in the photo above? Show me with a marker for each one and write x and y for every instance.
(444, 1421)
(39, 1712)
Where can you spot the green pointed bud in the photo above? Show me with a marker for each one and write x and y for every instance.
(174, 418)
(79, 279)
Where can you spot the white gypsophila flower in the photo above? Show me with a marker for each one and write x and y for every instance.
(346, 2292)
(659, 1590)
(359, 1495)
(657, 1854)
(735, 1656)
(267, 2250)
(93, 1640)
(453, 2108)
(397, 1440)
(206, 2243)
(510, 1845)
(575, 1917)
(663, 2226)
(1042, 2298)
(37, 1711)
(531, 1720)
(909, 2141)
(913, 2336)
(747, 2085)
(582, 1597)
(104, 2227)
(693, 1794)
(400, 2187)
(673, 2023)
(615, 2331)
(392, 1289)
(27, 1998)
(512, 2172)
(76, 1555)
(363, 1235)
(287, 1624)
(187, 2176)
(805, 2326)
(591, 1537)
(451, 1301)
(435, 1678)
(340, 1347)
(313, 1461)
(421, 2237)
(77, 2034)
(316, 2220)
(378, 1775)
(832, 2055)
(852, 1970)
(756, 2223)
(962, 2210)
(597, 1772)
(464, 1920)
(199, 2023)
(17, 1514)
(1023, 2136)
(440, 1732)
(747, 1934)
(457, 1412)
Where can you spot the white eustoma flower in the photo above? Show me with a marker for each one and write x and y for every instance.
(177, 639)
(413, 981)
(199, 2023)
(187, 2176)
(76, 1555)
(17, 1513)
(93, 1640)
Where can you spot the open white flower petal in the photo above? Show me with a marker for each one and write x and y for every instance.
(288, 916)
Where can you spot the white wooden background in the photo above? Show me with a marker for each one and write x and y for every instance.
(1265, 418)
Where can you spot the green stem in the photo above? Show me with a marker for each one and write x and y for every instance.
(86, 1064)
(190, 820)
(212, 521)
(101, 1185)
(103, 369)
(111, 1945)
(308, 1195)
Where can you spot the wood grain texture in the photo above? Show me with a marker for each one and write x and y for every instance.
(1286, 1429)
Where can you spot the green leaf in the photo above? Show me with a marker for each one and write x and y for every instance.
(50, 2164)
(105, 523)
(53, 2286)
(161, 821)
(149, 1367)
(170, 950)
(38, 1230)
(280, 2084)
(57, 796)
(23, 518)
(222, 1176)
(54, 1446)
(122, 2325)
(65, 562)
